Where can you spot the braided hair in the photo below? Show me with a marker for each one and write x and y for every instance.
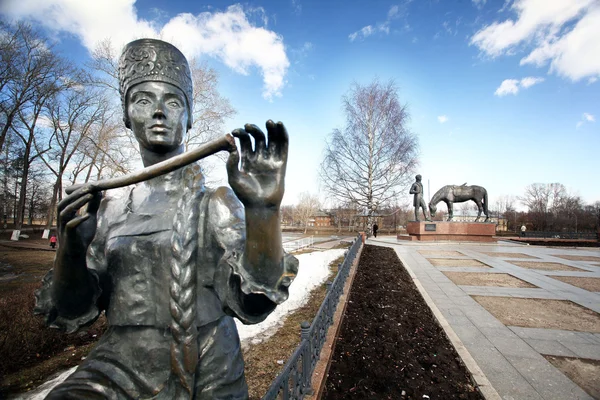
(184, 242)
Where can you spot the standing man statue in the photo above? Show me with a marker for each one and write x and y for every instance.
(419, 202)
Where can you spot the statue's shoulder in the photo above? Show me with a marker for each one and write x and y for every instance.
(222, 198)
(115, 203)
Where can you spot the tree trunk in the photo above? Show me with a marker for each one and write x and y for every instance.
(23, 190)
(52, 207)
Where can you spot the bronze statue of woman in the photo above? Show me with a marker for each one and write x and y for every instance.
(171, 262)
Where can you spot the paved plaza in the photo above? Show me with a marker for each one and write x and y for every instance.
(512, 325)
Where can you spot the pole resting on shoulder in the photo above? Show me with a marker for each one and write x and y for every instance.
(224, 143)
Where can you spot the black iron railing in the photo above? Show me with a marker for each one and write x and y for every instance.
(294, 382)
(561, 235)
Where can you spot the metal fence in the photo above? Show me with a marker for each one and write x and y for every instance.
(294, 382)
(298, 244)
(561, 235)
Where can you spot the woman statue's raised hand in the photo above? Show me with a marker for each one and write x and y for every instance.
(260, 180)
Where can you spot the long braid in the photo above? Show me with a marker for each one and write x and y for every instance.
(184, 348)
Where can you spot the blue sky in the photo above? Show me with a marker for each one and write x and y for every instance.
(501, 93)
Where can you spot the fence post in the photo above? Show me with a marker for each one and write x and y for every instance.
(306, 358)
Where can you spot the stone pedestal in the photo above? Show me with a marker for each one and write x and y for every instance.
(458, 231)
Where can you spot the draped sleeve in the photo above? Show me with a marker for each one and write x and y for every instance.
(242, 295)
(96, 264)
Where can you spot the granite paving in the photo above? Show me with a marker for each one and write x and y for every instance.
(511, 357)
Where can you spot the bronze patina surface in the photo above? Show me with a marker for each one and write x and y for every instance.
(171, 262)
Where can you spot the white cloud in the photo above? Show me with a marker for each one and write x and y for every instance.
(364, 32)
(396, 11)
(512, 86)
(585, 117)
(229, 35)
(592, 80)
(589, 117)
(442, 119)
(508, 86)
(562, 33)
(530, 81)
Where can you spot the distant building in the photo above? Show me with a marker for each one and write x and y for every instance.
(320, 218)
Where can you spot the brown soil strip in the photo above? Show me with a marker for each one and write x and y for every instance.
(589, 284)
(448, 262)
(486, 279)
(507, 255)
(546, 266)
(390, 345)
(541, 313)
(265, 360)
(577, 258)
(441, 253)
(585, 373)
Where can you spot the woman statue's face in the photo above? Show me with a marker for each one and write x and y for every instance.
(158, 114)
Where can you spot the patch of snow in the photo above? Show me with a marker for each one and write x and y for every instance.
(42, 391)
(312, 272)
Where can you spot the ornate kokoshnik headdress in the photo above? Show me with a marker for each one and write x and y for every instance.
(153, 60)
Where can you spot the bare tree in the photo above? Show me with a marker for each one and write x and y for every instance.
(370, 160)
(72, 114)
(104, 67)
(27, 69)
(53, 79)
(307, 206)
(210, 109)
(551, 206)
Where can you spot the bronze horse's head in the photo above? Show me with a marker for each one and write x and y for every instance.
(432, 209)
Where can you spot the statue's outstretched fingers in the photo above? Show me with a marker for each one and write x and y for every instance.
(245, 146)
(284, 140)
(277, 140)
(260, 146)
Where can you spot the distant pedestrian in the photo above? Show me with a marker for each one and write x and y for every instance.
(523, 229)
(53, 241)
(375, 228)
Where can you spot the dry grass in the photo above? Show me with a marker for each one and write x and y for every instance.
(448, 262)
(441, 253)
(541, 313)
(545, 266)
(577, 258)
(584, 372)
(585, 283)
(506, 254)
(261, 359)
(485, 279)
(31, 351)
(20, 266)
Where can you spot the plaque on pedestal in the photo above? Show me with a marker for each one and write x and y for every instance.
(457, 231)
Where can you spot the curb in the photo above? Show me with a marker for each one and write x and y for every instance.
(482, 382)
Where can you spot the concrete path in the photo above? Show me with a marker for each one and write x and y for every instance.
(511, 357)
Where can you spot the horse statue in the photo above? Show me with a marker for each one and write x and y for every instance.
(451, 194)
